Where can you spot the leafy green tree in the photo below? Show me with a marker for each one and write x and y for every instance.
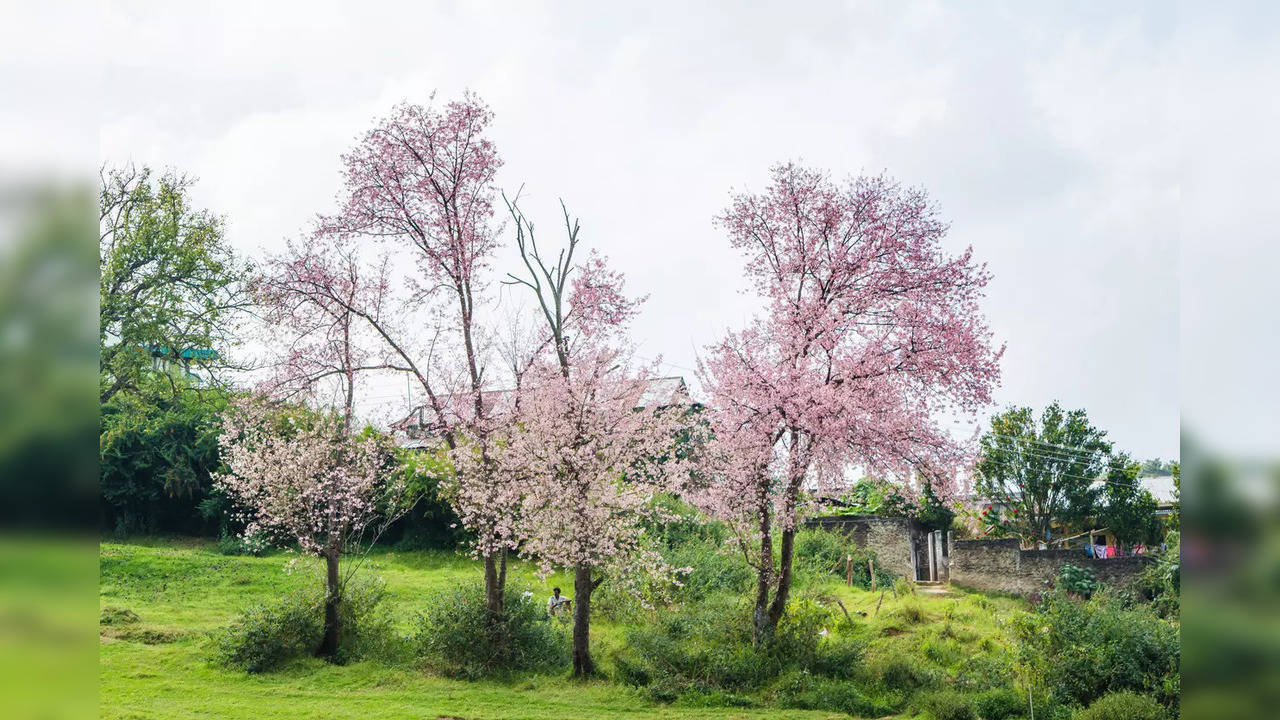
(1156, 466)
(1127, 509)
(158, 451)
(1041, 471)
(169, 284)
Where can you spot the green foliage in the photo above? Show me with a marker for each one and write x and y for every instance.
(904, 673)
(946, 705)
(713, 569)
(236, 545)
(1082, 650)
(1000, 704)
(821, 553)
(268, 635)
(157, 456)
(804, 691)
(169, 282)
(456, 636)
(1077, 580)
(873, 497)
(678, 524)
(1123, 706)
(430, 522)
(1161, 580)
(1127, 509)
(1040, 470)
(708, 647)
(932, 513)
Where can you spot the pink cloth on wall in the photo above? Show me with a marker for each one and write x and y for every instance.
(1111, 551)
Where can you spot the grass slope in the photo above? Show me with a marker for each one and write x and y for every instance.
(182, 590)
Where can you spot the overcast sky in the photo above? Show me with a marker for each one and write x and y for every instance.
(1050, 139)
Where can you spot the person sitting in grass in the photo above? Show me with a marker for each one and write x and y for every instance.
(558, 603)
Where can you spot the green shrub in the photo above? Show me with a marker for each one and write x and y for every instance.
(803, 691)
(820, 553)
(1161, 581)
(266, 636)
(707, 647)
(1087, 649)
(989, 670)
(713, 570)
(1000, 704)
(456, 638)
(1077, 580)
(905, 673)
(946, 705)
(838, 657)
(1122, 706)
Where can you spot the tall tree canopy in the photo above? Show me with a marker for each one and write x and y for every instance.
(169, 284)
(1126, 508)
(1041, 471)
(871, 329)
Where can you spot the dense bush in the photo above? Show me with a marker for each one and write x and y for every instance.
(1000, 704)
(1077, 580)
(804, 691)
(1123, 706)
(268, 635)
(1086, 649)
(455, 636)
(946, 705)
(156, 459)
(713, 570)
(1160, 582)
(708, 647)
(820, 553)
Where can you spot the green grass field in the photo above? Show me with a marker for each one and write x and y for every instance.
(183, 590)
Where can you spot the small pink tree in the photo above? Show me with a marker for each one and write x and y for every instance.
(588, 456)
(301, 477)
(870, 332)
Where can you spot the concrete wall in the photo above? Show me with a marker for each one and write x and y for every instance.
(889, 537)
(1001, 565)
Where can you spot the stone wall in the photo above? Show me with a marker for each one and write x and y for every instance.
(1001, 565)
(889, 537)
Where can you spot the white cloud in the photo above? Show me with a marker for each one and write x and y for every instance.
(1048, 137)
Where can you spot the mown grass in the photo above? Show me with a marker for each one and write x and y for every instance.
(158, 666)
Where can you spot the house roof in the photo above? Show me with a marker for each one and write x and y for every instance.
(661, 392)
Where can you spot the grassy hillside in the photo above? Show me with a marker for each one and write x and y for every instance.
(182, 591)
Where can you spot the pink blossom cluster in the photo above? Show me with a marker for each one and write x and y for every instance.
(301, 477)
(871, 332)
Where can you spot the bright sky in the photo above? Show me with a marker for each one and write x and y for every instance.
(1050, 138)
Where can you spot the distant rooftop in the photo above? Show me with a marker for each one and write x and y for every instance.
(661, 392)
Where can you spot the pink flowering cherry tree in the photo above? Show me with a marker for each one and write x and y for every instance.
(420, 184)
(589, 456)
(299, 476)
(871, 332)
(316, 300)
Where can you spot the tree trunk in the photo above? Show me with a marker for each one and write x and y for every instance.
(783, 592)
(494, 579)
(582, 587)
(333, 597)
(760, 616)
